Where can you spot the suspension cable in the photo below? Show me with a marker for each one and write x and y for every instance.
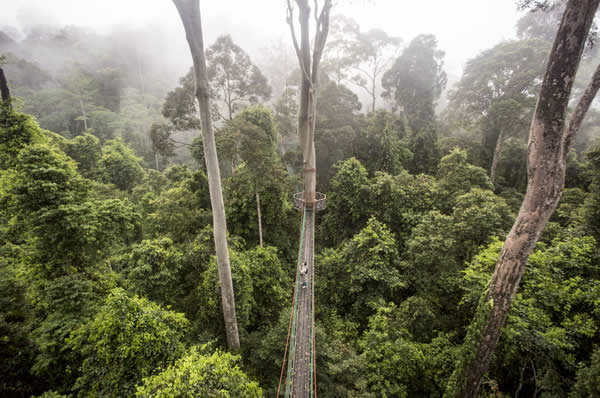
(294, 303)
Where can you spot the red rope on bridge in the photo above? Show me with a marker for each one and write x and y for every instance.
(287, 341)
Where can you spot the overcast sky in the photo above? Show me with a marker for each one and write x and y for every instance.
(463, 27)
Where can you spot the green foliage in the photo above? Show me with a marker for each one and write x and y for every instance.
(65, 229)
(398, 366)
(337, 105)
(279, 219)
(551, 321)
(120, 166)
(16, 347)
(416, 81)
(588, 379)
(346, 201)
(285, 111)
(62, 304)
(103, 123)
(496, 94)
(180, 104)
(432, 246)
(17, 130)
(47, 179)
(403, 258)
(424, 146)
(379, 145)
(201, 375)
(508, 70)
(250, 137)
(401, 201)
(129, 338)
(86, 151)
(261, 284)
(183, 209)
(361, 273)
(477, 216)
(75, 236)
(234, 79)
(160, 134)
(456, 177)
(52, 394)
(152, 267)
(591, 207)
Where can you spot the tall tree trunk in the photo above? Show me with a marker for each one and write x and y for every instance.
(260, 235)
(310, 81)
(4, 91)
(141, 76)
(547, 151)
(85, 126)
(305, 114)
(496, 157)
(373, 94)
(189, 11)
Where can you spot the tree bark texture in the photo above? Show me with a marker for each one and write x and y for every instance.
(547, 150)
(4, 91)
(189, 11)
(496, 157)
(309, 67)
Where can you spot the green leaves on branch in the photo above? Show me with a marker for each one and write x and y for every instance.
(199, 374)
(130, 338)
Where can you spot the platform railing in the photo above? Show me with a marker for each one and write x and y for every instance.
(320, 202)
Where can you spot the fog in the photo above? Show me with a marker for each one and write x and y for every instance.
(463, 27)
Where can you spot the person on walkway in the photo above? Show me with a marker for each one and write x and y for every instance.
(303, 269)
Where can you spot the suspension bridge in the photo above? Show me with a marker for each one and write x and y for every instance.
(300, 374)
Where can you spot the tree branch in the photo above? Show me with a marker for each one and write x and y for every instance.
(322, 29)
(580, 111)
(179, 143)
(290, 21)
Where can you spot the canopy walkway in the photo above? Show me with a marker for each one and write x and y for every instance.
(300, 377)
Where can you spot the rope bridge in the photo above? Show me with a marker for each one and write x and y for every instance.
(300, 380)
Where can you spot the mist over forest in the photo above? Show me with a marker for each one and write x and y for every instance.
(302, 198)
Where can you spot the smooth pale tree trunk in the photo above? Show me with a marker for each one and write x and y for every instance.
(141, 77)
(85, 126)
(310, 81)
(260, 234)
(4, 91)
(547, 151)
(306, 113)
(496, 157)
(189, 11)
(373, 102)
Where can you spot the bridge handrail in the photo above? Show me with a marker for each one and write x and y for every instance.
(320, 201)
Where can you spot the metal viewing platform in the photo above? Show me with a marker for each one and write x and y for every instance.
(320, 202)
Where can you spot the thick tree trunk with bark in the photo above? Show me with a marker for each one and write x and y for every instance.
(189, 11)
(4, 91)
(547, 151)
(496, 157)
(260, 235)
